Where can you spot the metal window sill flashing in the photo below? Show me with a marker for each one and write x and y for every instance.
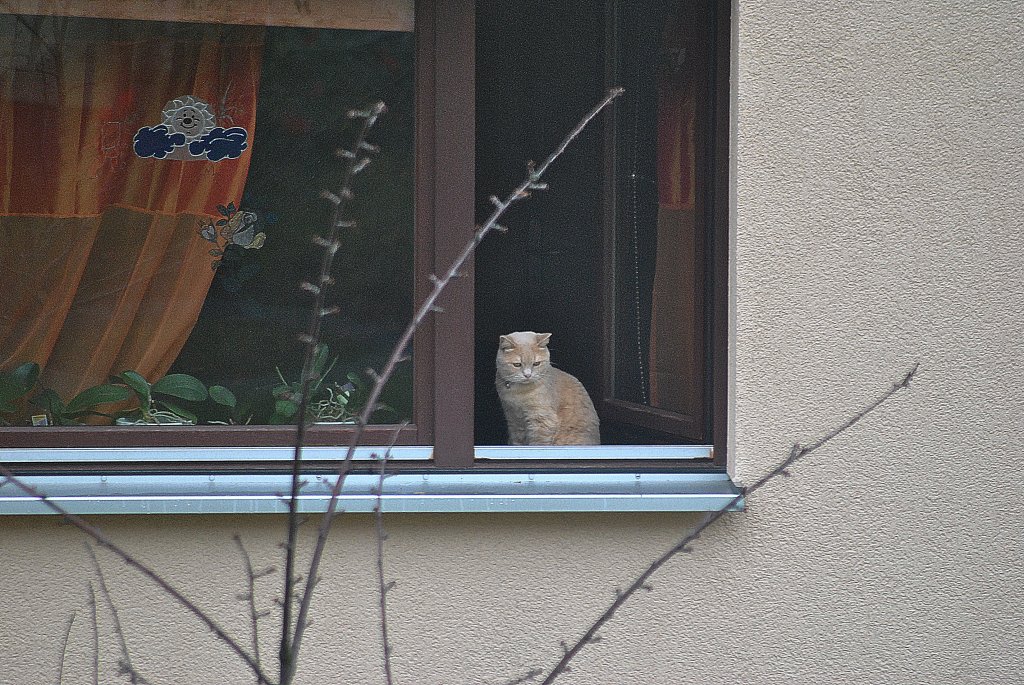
(428, 490)
(363, 453)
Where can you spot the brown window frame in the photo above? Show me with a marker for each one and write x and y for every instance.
(444, 347)
(526, 110)
(712, 200)
(443, 198)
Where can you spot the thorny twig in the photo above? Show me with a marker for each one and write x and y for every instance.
(250, 596)
(102, 540)
(356, 159)
(781, 469)
(521, 192)
(384, 587)
(126, 660)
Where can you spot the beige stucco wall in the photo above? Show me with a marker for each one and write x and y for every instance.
(878, 201)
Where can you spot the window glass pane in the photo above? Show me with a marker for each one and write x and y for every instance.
(159, 191)
(545, 273)
(659, 214)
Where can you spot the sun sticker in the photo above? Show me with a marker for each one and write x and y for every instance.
(189, 132)
(189, 117)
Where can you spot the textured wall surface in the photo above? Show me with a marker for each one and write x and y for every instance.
(878, 204)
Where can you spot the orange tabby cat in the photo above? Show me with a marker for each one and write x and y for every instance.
(543, 405)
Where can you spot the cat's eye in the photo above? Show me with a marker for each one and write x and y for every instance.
(536, 363)
(517, 364)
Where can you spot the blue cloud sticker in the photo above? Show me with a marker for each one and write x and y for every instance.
(189, 132)
(157, 141)
(220, 144)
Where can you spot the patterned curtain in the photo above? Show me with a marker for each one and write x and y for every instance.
(101, 265)
(676, 304)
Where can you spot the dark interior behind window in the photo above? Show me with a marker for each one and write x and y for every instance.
(618, 259)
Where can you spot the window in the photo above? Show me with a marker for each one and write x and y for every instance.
(623, 260)
(159, 195)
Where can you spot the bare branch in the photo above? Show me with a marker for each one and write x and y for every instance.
(399, 351)
(383, 586)
(640, 583)
(126, 660)
(535, 174)
(291, 635)
(103, 541)
(254, 615)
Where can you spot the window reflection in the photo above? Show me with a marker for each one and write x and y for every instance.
(159, 189)
(658, 233)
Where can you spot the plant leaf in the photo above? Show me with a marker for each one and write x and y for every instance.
(26, 374)
(216, 253)
(98, 394)
(50, 401)
(180, 412)
(16, 383)
(222, 209)
(138, 384)
(221, 395)
(286, 408)
(90, 412)
(182, 386)
(10, 389)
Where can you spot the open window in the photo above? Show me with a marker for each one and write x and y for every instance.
(623, 259)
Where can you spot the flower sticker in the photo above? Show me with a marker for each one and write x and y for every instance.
(241, 230)
(189, 131)
(236, 228)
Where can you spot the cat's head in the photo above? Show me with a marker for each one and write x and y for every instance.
(523, 356)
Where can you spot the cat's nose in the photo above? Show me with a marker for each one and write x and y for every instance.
(527, 372)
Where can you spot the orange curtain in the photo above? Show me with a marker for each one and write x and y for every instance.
(676, 303)
(101, 265)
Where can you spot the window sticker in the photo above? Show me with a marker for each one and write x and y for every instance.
(189, 131)
(238, 227)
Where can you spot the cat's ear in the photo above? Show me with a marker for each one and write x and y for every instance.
(505, 342)
(542, 339)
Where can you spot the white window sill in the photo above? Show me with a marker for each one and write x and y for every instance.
(505, 489)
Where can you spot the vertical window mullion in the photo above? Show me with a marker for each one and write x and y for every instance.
(453, 197)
